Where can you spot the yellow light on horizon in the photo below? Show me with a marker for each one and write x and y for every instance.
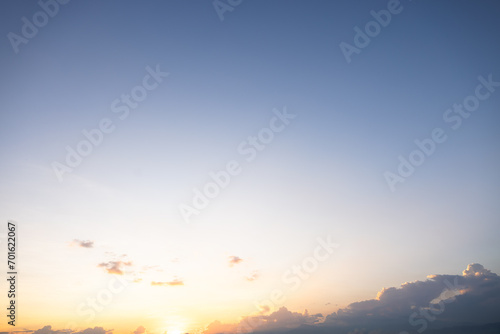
(176, 326)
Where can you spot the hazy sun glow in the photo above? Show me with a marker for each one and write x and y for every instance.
(175, 330)
(175, 325)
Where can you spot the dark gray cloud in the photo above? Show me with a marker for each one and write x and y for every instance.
(441, 300)
(279, 320)
(472, 298)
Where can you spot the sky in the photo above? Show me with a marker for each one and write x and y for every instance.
(181, 166)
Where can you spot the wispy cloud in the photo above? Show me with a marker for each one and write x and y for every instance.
(174, 282)
(234, 260)
(145, 269)
(114, 267)
(82, 243)
(253, 276)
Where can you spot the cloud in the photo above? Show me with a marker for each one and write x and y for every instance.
(83, 243)
(49, 330)
(114, 267)
(437, 305)
(472, 298)
(263, 309)
(475, 269)
(95, 330)
(234, 260)
(174, 282)
(217, 327)
(253, 276)
(441, 300)
(145, 269)
(140, 330)
(279, 320)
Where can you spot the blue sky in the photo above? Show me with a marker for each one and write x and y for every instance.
(322, 175)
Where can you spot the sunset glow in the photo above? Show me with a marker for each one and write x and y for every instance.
(250, 166)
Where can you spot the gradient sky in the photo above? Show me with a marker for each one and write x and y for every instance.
(323, 175)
